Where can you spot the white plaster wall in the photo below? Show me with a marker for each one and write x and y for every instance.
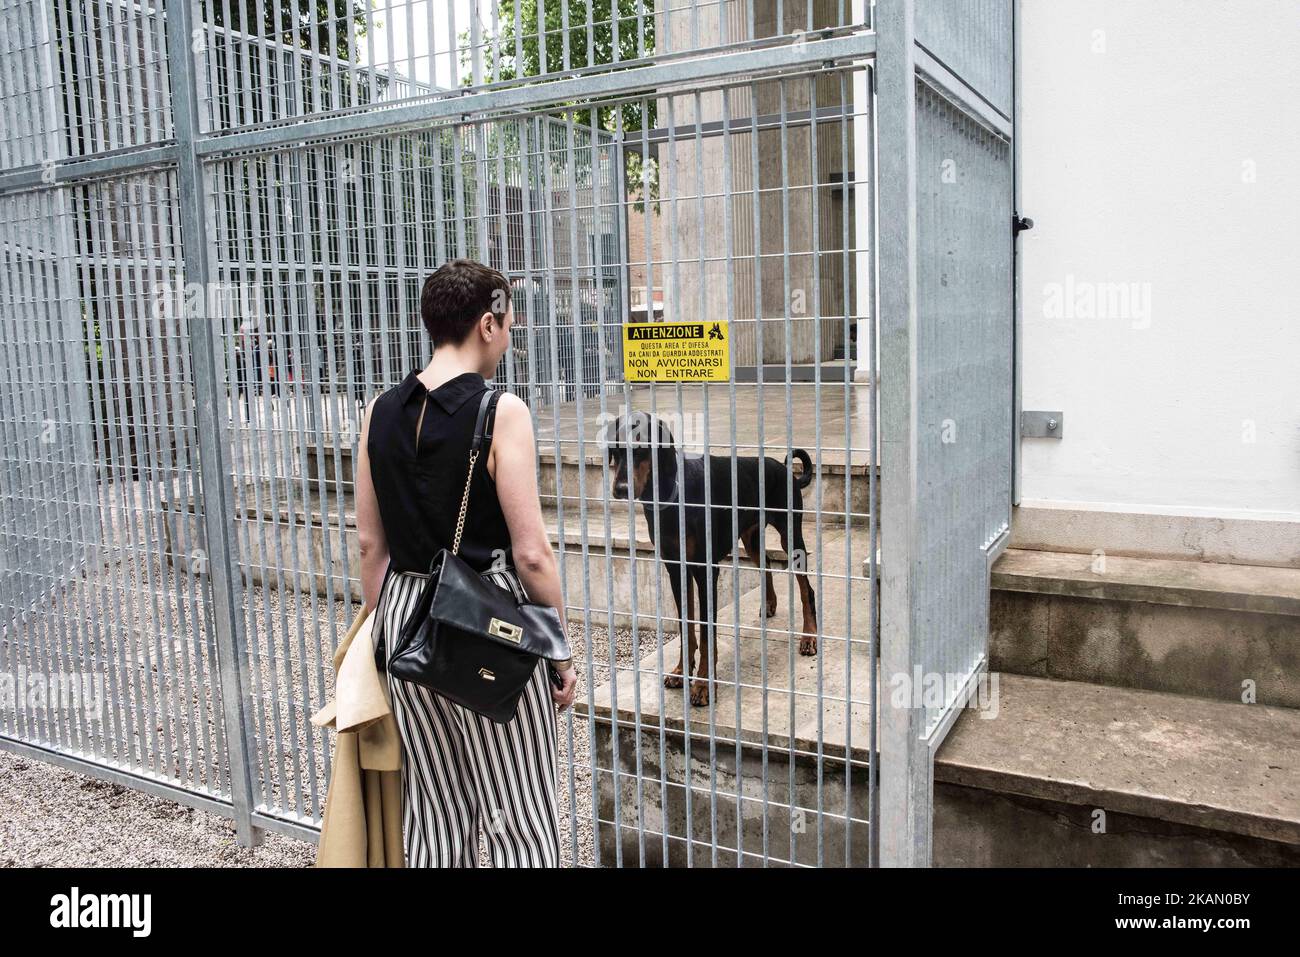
(1161, 150)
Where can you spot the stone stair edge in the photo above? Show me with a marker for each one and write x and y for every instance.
(1012, 765)
(1266, 589)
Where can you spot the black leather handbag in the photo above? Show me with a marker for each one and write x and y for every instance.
(467, 638)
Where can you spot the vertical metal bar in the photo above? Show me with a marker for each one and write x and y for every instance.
(475, 46)
(247, 245)
(600, 271)
(100, 556)
(756, 179)
(815, 248)
(225, 115)
(67, 319)
(543, 127)
(683, 569)
(1017, 269)
(654, 571)
(871, 180)
(496, 40)
(89, 86)
(112, 115)
(852, 194)
(904, 827)
(708, 600)
(296, 342)
(729, 240)
(218, 491)
(615, 15)
(189, 615)
(266, 49)
(322, 427)
(134, 244)
(542, 59)
(98, 251)
(786, 302)
(27, 409)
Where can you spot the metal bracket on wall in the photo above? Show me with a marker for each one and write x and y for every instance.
(1042, 425)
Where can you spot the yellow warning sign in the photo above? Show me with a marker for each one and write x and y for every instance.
(676, 351)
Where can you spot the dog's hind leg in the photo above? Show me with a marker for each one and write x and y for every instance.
(753, 542)
(799, 566)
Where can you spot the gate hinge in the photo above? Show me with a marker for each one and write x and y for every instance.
(1042, 425)
(1020, 223)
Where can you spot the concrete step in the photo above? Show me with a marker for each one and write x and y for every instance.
(1229, 632)
(1066, 773)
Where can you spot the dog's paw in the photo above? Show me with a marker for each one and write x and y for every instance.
(770, 608)
(699, 692)
(673, 680)
(807, 644)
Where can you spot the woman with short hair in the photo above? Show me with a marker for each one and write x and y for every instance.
(461, 770)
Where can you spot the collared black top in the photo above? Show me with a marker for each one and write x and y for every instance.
(419, 493)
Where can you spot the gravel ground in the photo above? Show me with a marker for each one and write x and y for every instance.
(55, 817)
(58, 818)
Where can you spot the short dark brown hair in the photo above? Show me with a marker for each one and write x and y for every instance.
(456, 294)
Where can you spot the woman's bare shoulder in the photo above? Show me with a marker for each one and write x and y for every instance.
(512, 408)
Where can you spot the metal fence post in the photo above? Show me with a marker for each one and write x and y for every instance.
(904, 827)
(218, 491)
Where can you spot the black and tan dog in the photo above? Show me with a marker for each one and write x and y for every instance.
(643, 452)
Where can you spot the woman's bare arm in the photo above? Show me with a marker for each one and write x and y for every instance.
(370, 530)
(512, 463)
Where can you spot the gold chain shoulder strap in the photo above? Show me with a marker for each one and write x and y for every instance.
(464, 503)
(480, 424)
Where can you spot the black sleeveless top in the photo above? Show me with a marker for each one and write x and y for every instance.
(419, 494)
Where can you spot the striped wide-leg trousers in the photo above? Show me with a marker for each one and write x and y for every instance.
(462, 771)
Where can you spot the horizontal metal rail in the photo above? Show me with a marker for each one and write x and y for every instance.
(75, 170)
(655, 77)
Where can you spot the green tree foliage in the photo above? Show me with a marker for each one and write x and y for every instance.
(523, 39)
(293, 22)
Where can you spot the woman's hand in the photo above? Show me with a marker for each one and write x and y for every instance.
(563, 696)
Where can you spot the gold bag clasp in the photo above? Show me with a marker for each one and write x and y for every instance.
(503, 629)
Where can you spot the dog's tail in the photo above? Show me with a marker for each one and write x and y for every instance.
(804, 480)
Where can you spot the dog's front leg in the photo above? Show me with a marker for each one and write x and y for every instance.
(687, 644)
(708, 645)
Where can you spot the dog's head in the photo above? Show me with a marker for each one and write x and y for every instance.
(641, 447)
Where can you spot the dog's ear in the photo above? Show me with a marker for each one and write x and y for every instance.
(640, 432)
(666, 453)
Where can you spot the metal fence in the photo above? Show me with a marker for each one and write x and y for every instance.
(214, 220)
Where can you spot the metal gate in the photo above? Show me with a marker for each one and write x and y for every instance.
(214, 220)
